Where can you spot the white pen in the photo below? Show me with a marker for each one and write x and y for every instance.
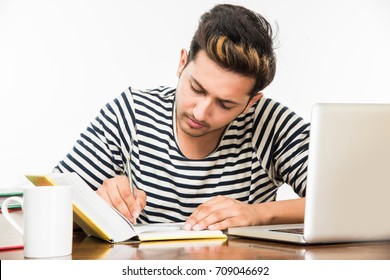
(127, 167)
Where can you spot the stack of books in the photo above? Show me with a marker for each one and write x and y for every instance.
(8, 192)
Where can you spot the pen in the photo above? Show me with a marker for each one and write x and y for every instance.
(127, 167)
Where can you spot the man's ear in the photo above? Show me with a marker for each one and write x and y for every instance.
(253, 100)
(182, 62)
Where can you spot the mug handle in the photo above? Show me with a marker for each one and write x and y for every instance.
(7, 216)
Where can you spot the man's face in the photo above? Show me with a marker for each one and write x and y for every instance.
(209, 97)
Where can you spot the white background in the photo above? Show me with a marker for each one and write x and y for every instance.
(61, 61)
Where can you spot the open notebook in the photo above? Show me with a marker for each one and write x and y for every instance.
(348, 188)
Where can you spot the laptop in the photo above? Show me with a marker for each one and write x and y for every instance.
(348, 183)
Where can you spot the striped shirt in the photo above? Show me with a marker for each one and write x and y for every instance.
(259, 151)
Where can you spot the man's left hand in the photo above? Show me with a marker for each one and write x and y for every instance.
(220, 213)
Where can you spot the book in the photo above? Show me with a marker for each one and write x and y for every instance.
(99, 219)
(10, 238)
(8, 192)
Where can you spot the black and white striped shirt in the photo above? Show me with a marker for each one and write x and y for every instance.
(260, 150)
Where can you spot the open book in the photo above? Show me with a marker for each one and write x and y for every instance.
(98, 218)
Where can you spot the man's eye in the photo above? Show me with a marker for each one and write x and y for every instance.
(223, 106)
(196, 90)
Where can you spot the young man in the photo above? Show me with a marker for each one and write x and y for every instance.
(211, 152)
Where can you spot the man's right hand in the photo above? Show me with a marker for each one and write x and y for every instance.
(117, 192)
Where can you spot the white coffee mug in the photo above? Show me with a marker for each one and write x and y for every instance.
(47, 221)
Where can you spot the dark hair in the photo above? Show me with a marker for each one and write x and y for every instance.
(238, 40)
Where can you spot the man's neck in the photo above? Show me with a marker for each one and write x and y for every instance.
(198, 147)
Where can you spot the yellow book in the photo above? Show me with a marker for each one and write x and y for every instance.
(98, 218)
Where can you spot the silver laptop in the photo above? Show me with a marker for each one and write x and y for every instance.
(348, 184)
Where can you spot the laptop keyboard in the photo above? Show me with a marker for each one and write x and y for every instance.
(289, 230)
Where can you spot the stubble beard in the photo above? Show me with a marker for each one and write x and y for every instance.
(192, 132)
(196, 133)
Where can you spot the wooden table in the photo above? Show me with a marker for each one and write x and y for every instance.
(89, 248)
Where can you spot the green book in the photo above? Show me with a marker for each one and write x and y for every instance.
(8, 192)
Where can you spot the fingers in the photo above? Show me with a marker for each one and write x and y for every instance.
(220, 213)
(140, 198)
(226, 223)
(213, 211)
(114, 192)
(117, 192)
(140, 202)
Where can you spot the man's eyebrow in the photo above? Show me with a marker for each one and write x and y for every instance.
(199, 84)
(219, 99)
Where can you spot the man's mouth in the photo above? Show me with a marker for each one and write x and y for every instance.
(194, 124)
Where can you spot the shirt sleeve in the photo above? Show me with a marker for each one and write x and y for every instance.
(281, 140)
(101, 150)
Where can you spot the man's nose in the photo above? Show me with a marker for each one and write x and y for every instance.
(203, 109)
